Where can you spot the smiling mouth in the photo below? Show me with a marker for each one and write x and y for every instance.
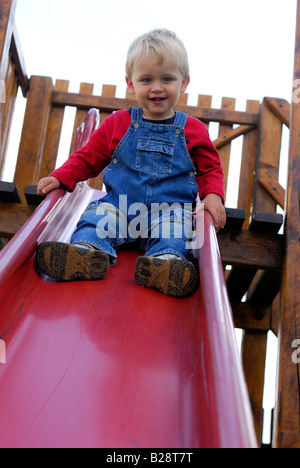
(157, 99)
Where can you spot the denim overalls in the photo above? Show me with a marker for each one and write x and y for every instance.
(151, 192)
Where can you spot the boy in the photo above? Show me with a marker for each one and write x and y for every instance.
(157, 160)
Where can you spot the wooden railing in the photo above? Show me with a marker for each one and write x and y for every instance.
(260, 126)
(12, 72)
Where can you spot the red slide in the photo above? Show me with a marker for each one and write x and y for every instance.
(109, 363)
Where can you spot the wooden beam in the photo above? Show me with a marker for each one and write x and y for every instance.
(274, 189)
(231, 135)
(7, 14)
(251, 318)
(19, 63)
(12, 217)
(287, 421)
(251, 249)
(108, 104)
(281, 108)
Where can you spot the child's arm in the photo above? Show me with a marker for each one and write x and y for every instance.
(214, 204)
(90, 160)
(47, 184)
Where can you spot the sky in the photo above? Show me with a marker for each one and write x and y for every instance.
(237, 48)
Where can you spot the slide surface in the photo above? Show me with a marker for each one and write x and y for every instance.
(111, 364)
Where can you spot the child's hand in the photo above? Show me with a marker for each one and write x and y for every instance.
(213, 203)
(47, 184)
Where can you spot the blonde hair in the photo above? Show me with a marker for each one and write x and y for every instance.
(163, 42)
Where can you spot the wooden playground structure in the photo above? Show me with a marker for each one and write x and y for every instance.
(263, 281)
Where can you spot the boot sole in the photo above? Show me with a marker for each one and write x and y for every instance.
(175, 278)
(65, 262)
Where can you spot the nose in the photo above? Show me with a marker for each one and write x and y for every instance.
(157, 86)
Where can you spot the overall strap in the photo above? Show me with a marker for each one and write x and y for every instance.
(180, 120)
(136, 114)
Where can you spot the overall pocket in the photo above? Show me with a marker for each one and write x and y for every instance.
(155, 156)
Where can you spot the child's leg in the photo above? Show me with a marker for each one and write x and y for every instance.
(98, 227)
(167, 265)
(90, 252)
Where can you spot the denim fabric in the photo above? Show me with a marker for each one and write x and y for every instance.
(151, 192)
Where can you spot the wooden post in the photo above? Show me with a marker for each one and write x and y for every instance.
(7, 10)
(287, 421)
(255, 344)
(34, 132)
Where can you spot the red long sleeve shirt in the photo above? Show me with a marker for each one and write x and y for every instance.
(89, 161)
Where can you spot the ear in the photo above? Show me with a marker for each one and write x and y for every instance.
(130, 86)
(185, 84)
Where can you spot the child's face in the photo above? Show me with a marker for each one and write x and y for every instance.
(157, 87)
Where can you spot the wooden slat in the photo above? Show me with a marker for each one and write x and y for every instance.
(224, 151)
(205, 101)
(268, 157)
(131, 97)
(110, 105)
(53, 134)
(183, 99)
(34, 132)
(86, 90)
(287, 427)
(107, 91)
(248, 166)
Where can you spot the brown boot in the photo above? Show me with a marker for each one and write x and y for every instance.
(174, 277)
(66, 262)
